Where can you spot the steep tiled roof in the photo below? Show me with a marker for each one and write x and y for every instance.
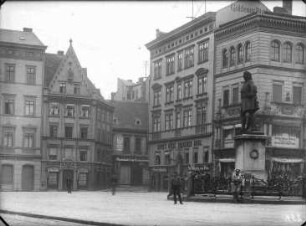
(19, 37)
(128, 115)
(51, 64)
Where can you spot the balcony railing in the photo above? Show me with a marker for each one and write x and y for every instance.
(204, 129)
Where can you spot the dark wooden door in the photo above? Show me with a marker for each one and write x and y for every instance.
(28, 178)
(67, 174)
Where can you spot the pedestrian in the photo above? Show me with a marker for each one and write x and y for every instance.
(114, 183)
(236, 184)
(176, 188)
(69, 185)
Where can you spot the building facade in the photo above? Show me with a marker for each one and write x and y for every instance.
(181, 100)
(21, 83)
(77, 127)
(130, 130)
(270, 45)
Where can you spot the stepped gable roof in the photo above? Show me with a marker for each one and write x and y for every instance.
(20, 37)
(52, 62)
(130, 115)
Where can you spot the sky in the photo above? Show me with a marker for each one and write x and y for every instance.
(109, 37)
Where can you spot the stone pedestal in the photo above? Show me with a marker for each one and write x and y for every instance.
(251, 154)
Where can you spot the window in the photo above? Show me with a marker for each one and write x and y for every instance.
(187, 113)
(53, 153)
(169, 93)
(195, 157)
(70, 110)
(232, 56)
(201, 114)
(84, 132)
(202, 80)
(156, 123)
(188, 88)
(297, 95)
(247, 51)
(85, 111)
(31, 75)
(240, 54)
(156, 97)
(53, 130)
(287, 52)
(189, 57)
(186, 158)
(235, 99)
(126, 144)
(9, 106)
(157, 159)
(68, 131)
(168, 121)
(83, 154)
(180, 60)
(203, 52)
(299, 53)
(9, 72)
(224, 58)
(167, 158)
(225, 97)
(29, 107)
(170, 65)
(277, 92)
(62, 87)
(76, 89)
(206, 156)
(157, 69)
(178, 119)
(6, 174)
(138, 145)
(8, 138)
(275, 51)
(179, 91)
(28, 140)
(68, 153)
(53, 109)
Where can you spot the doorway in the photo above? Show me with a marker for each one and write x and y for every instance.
(28, 178)
(67, 174)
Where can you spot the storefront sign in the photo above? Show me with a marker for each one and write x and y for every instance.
(131, 159)
(180, 144)
(285, 141)
(53, 170)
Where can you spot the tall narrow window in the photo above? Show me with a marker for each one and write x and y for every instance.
(235, 95)
(7, 174)
(170, 65)
(68, 131)
(275, 51)
(53, 130)
(189, 57)
(277, 92)
(62, 87)
(157, 69)
(53, 109)
(29, 107)
(9, 106)
(180, 61)
(202, 80)
(28, 140)
(83, 154)
(126, 144)
(84, 132)
(287, 52)
(187, 117)
(156, 123)
(188, 88)
(201, 114)
(169, 93)
(53, 153)
(232, 56)
(85, 111)
(138, 145)
(31, 75)
(9, 72)
(168, 121)
(179, 91)
(203, 52)
(76, 89)
(300, 53)
(225, 97)
(224, 58)
(178, 119)
(70, 110)
(240, 54)
(8, 138)
(247, 51)
(157, 97)
(297, 94)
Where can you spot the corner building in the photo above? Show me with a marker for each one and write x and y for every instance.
(21, 82)
(77, 125)
(181, 100)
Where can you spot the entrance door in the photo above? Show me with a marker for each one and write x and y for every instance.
(53, 180)
(28, 178)
(137, 175)
(67, 174)
(125, 174)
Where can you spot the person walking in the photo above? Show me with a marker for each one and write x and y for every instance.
(114, 183)
(69, 185)
(176, 188)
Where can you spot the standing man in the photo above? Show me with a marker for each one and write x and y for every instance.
(236, 184)
(176, 188)
(69, 185)
(114, 183)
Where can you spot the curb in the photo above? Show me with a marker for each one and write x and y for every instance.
(84, 222)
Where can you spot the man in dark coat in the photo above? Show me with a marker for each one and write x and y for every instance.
(69, 184)
(114, 183)
(176, 188)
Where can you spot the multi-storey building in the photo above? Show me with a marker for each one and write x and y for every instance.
(180, 100)
(130, 129)
(270, 45)
(21, 81)
(130, 91)
(77, 126)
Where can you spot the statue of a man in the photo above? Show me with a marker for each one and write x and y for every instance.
(249, 103)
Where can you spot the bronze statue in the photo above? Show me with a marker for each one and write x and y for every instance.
(249, 103)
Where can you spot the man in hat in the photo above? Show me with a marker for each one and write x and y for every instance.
(236, 183)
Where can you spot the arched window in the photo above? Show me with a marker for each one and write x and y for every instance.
(232, 56)
(225, 58)
(275, 51)
(300, 53)
(287, 52)
(240, 54)
(247, 51)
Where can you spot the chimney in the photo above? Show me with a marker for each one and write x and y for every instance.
(157, 33)
(26, 29)
(60, 53)
(287, 4)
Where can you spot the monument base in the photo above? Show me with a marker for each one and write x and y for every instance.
(251, 154)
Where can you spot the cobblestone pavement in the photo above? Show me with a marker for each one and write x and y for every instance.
(149, 208)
